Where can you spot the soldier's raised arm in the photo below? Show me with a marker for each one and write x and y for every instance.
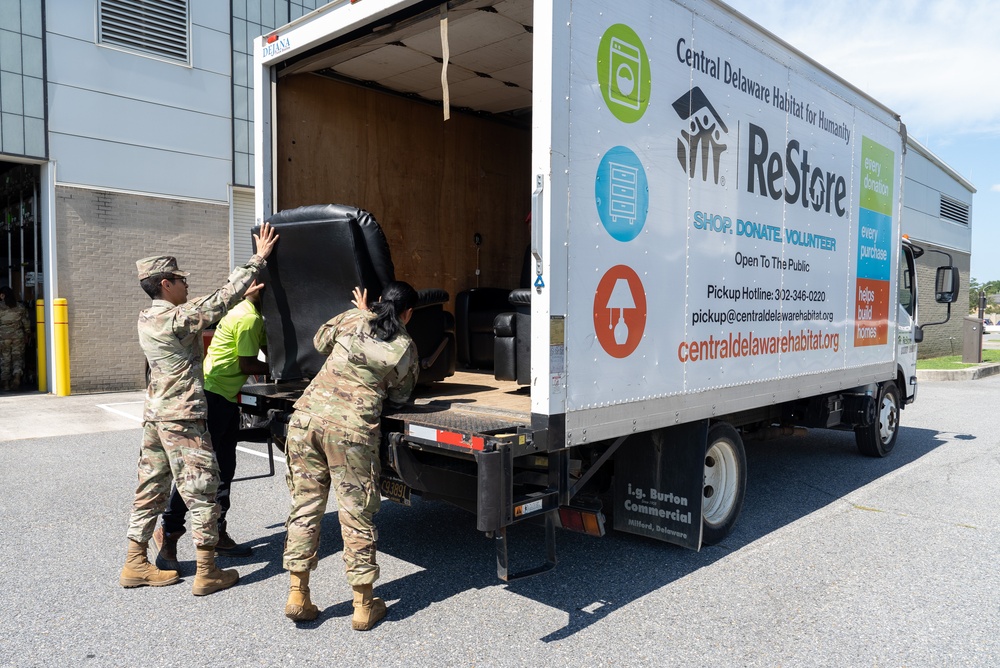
(205, 311)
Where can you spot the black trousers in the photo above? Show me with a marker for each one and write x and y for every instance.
(223, 428)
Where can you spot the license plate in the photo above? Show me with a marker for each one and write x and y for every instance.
(395, 489)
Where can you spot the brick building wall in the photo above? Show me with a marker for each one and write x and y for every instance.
(100, 236)
(943, 339)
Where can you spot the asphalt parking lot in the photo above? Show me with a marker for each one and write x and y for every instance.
(838, 560)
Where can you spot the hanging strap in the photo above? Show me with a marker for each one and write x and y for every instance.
(445, 96)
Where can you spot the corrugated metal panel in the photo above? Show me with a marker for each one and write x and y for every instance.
(157, 28)
(93, 162)
(243, 222)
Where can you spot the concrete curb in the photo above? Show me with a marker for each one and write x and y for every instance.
(971, 373)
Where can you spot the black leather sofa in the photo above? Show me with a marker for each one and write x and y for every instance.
(324, 251)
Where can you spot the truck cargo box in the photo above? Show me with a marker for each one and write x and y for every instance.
(714, 240)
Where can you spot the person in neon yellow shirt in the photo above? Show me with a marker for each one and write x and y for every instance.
(231, 357)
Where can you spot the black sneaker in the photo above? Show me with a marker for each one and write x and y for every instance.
(227, 547)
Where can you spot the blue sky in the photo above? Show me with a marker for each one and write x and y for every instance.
(934, 62)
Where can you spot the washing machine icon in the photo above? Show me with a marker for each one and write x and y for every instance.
(625, 75)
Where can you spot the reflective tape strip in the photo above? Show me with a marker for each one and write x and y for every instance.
(447, 437)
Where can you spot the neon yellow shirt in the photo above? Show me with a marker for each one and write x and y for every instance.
(240, 333)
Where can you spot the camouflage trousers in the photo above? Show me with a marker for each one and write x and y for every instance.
(176, 452)
(320, 455)
(11, 359)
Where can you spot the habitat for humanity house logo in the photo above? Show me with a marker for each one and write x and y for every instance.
(700, 141)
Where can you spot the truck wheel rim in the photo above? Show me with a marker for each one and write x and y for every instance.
(887, 418)
(721, 482)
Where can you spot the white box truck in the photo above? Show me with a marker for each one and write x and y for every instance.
(714, 234)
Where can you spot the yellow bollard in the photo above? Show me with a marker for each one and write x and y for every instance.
(60, 356)
(40, 347)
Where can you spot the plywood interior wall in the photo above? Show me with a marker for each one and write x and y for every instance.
(431, 184)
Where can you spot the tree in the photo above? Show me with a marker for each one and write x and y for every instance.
(992, 290)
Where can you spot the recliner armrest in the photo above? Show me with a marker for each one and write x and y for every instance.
(504, 325)
(520, 297)
(430, 296)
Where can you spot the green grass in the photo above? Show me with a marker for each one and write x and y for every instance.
(955, 361)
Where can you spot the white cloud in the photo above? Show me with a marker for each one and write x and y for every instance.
(934, 63)
(995, 188)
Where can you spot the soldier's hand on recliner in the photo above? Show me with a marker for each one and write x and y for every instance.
(265, 240)
(360, 298)
(254, 288)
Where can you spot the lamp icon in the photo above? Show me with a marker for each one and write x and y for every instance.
(620, 288)
(621, 299)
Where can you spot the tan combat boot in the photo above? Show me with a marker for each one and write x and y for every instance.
(138, 572)
(368, 611)
(299, 608)
(166, 549)
(208, 578)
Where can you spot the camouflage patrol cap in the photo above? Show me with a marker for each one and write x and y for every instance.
(161, 264)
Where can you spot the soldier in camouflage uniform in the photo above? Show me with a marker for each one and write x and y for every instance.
(333, 439)
(15, 327)
(176, 445)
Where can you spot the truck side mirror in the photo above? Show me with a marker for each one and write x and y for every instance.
(946, 285)
(918, 334)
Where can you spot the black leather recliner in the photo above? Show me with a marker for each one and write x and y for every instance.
(512, 332)
(512, 340)
(475, 311)
(324, 251)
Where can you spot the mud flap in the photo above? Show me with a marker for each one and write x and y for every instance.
(659, 477)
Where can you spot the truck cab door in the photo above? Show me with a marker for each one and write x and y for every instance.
(908, 332)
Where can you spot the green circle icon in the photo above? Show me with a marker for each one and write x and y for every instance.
(623, 73)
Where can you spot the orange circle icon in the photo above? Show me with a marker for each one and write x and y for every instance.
(620, 311)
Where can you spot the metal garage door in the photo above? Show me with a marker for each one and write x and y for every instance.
(241, 241)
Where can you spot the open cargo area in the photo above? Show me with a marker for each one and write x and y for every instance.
(360, 122)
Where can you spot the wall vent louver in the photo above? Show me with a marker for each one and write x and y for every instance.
(157, 28)
(952, 209)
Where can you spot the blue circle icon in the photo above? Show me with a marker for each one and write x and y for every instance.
(622, 193)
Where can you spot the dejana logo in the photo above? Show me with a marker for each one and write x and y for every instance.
(700, 140)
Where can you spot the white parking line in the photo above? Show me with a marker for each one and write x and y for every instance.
(107, 407)
(249, 451)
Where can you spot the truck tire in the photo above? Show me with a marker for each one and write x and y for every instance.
(725, 483)
(878, 439)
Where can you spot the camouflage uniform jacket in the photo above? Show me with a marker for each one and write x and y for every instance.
(170, 337)
(359, 373)
(14, 322)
